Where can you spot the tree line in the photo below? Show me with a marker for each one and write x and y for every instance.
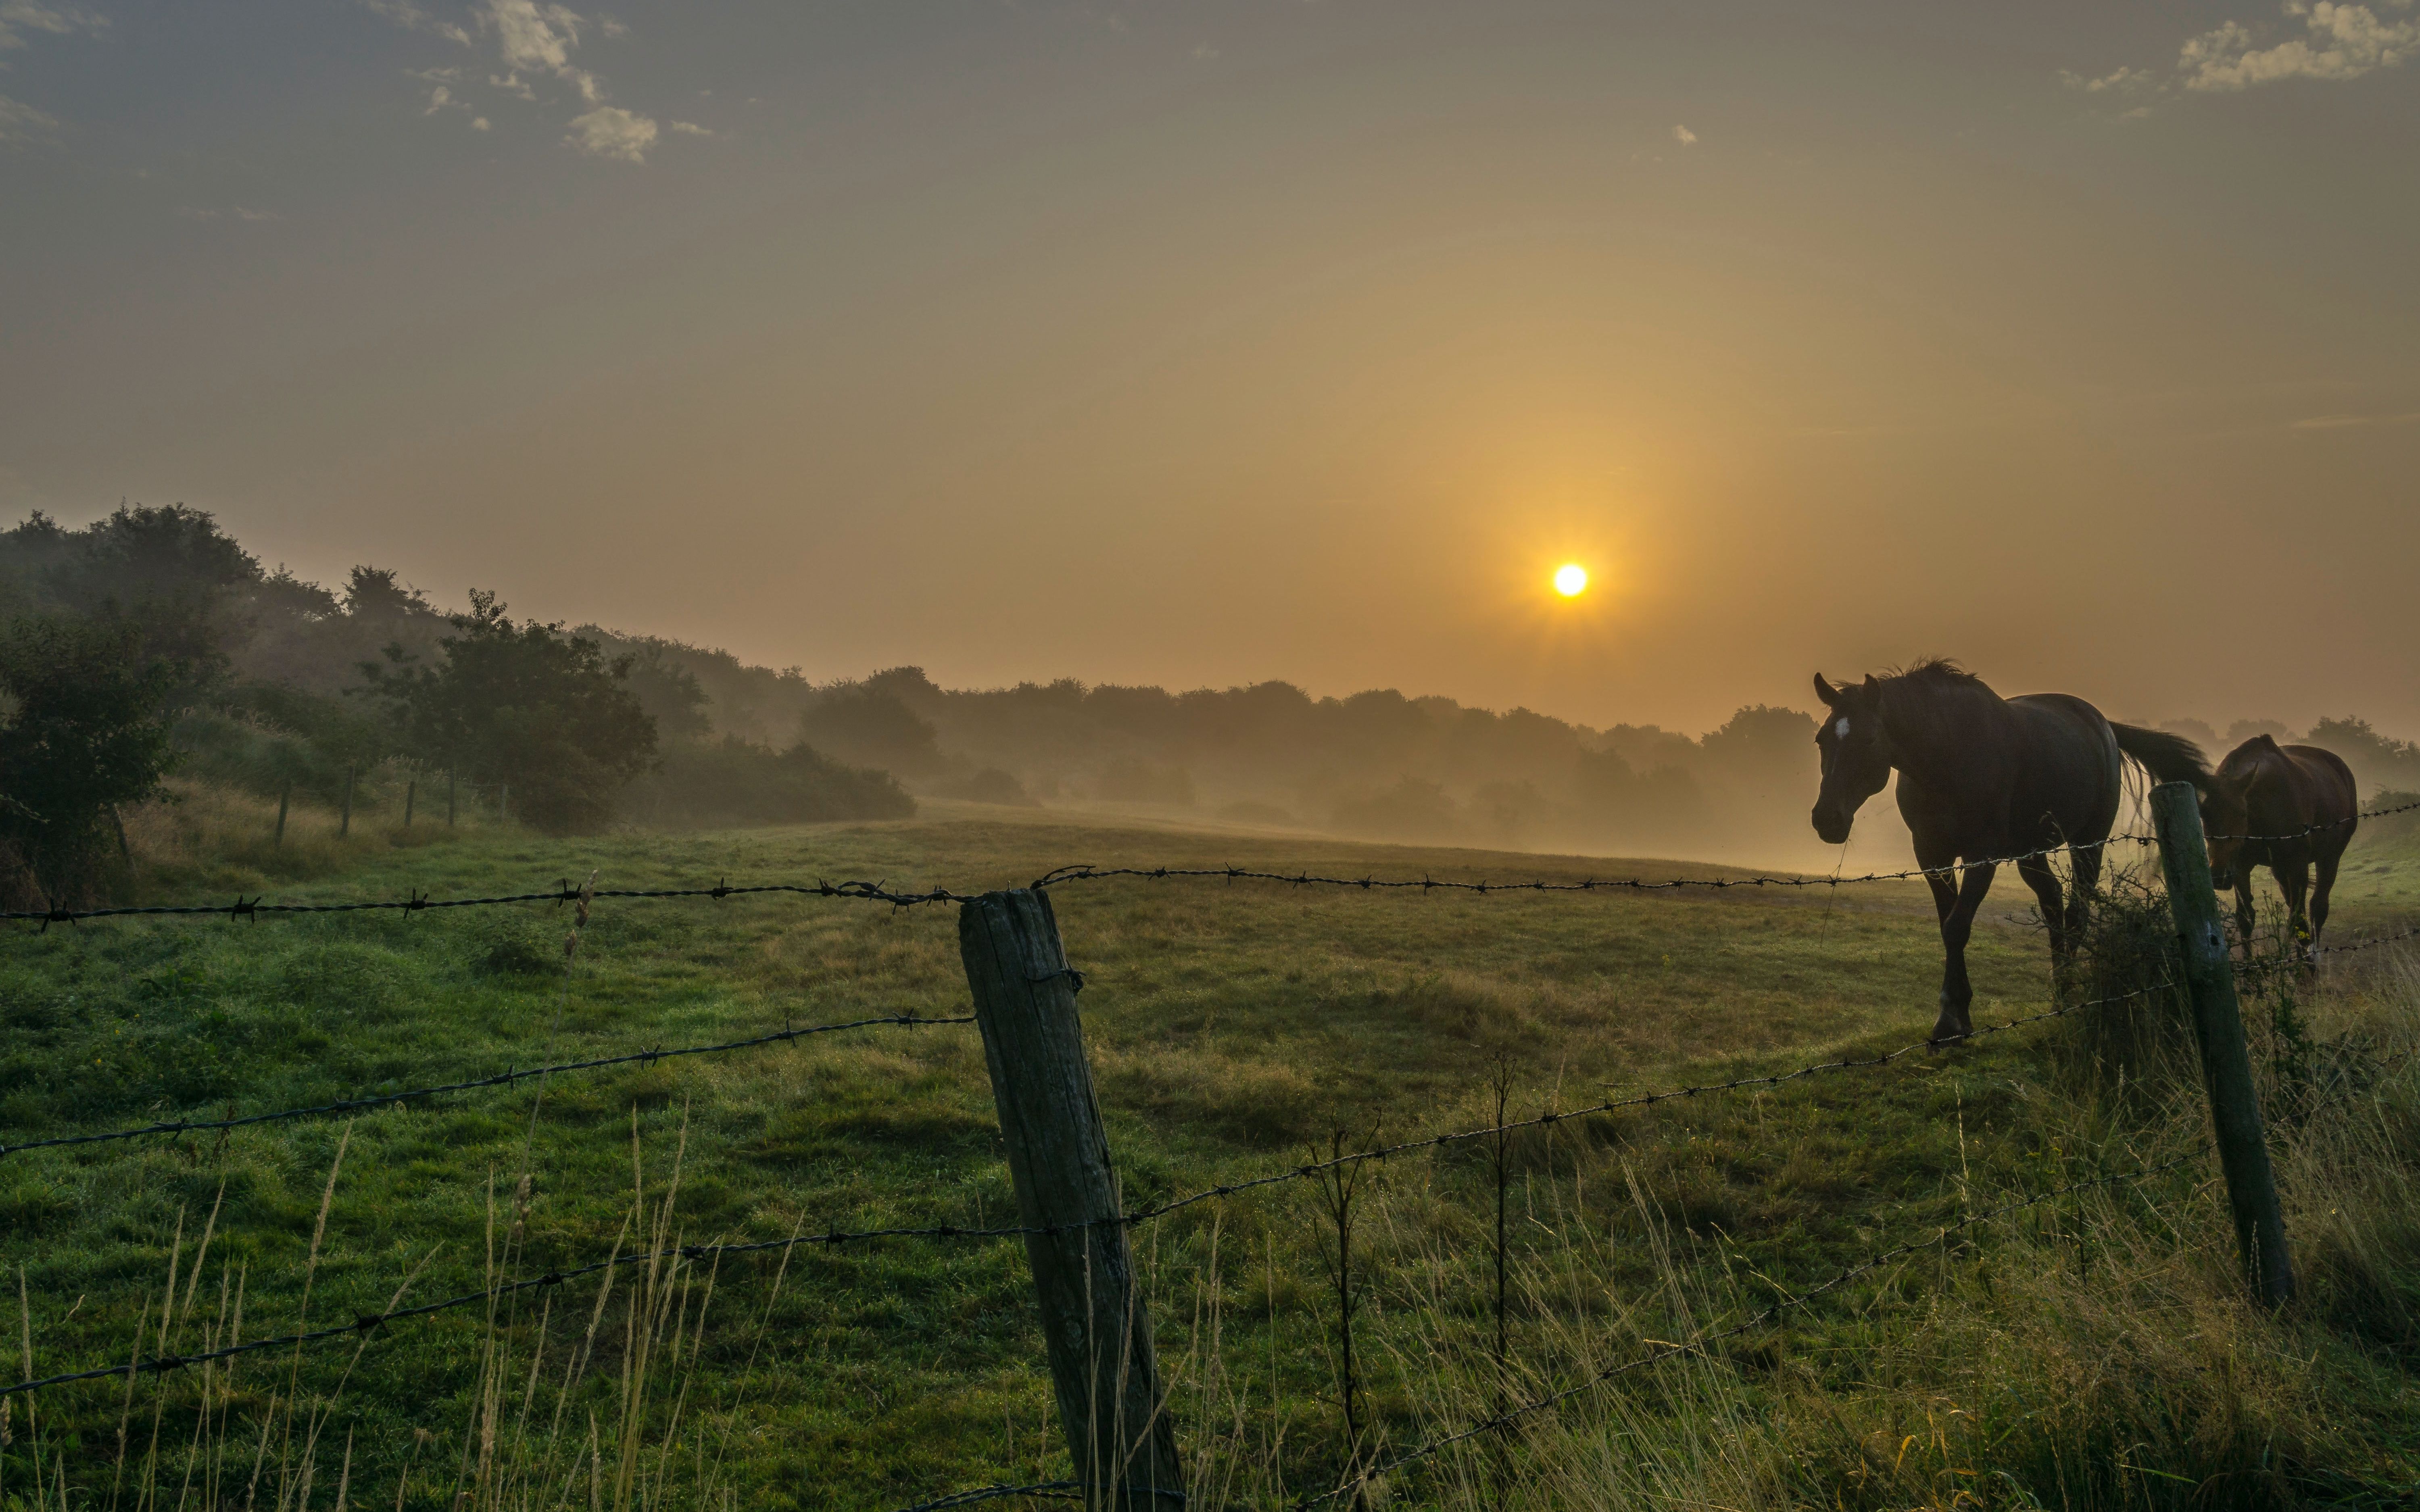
(150, 642)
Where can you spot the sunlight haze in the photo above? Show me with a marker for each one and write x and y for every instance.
(1207, 345)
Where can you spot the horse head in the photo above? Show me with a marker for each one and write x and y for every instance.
(1857, 755)
(2227, 807)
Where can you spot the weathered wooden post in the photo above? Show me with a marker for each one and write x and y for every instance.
(2225, 1063)
(285, 795)
(411, 791)
(345, 823)
(1094, 1316)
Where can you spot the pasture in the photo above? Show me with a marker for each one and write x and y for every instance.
(2088, 1351)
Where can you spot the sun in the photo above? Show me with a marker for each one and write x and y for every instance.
(1570, 580)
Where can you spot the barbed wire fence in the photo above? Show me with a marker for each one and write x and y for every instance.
(1055, 977)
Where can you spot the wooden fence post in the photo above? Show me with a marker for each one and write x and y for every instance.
(2225, 1064)
(449, 797)
(1094, 1318)
(411, 791)
(285, 796)
(344, 825)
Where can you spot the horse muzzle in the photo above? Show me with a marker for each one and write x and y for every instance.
(1832, 824)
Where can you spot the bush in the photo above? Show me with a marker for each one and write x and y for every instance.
(81, 733)
(706, 784)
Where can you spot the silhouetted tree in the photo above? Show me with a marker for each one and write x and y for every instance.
(82, 732)
(524, 705)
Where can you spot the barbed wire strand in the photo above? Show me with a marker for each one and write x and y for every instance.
(161, 1365)
(1872, 1263)
(502, 1078)
(882, 892)
(417, 902)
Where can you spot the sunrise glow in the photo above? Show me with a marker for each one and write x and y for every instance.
(1570, 580)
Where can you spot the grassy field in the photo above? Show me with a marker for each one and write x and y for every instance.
(2091, 1352)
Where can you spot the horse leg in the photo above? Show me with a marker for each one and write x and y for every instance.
(2294, 881)
(2245, 916)
(2086, 862)
(2320, 898)
(2039, 876)
(1957, 993)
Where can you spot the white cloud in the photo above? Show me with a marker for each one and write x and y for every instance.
(479, 123)
(439, 98)
(1683, 135)
(2339, 42)
(611, 132)
(689, 129)
(20, 123)
(611, 27)
(540, 38)
(16, 17)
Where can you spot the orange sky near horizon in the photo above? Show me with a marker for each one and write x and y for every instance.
(1269, 341)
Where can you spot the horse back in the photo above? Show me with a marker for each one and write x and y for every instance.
(2072, 774)
(2312, 786)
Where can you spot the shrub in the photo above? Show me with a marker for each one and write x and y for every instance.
(734, 781)
(82, 733)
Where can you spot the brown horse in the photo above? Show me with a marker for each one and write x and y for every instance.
(1983, 779)
(2286, 808)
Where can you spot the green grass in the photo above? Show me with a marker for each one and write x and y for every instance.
(1230, 1026)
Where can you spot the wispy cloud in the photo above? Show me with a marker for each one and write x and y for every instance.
(2355, 421)
(2335, 41)
(1683, 135)
(18, 17)
(236, 212)
(21, 124)
(529, 44)
(611, 132)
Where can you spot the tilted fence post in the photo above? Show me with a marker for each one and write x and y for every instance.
(1094, 1318)
(2225, 1063)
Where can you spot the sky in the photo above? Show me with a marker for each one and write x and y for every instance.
(1207, 343)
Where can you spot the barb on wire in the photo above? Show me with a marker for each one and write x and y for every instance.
(1083, 872)
(502, 1078)
(1696, 1345)
(1611, 1104)
(162, 1363)
(414, 901)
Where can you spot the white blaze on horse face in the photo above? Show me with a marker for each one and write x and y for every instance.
(1841, 728)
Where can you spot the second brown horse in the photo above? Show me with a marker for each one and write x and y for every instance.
(2290, 809)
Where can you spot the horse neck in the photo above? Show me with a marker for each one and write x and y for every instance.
(1937, 728)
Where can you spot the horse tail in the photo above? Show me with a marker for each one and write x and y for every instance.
(2168, 757)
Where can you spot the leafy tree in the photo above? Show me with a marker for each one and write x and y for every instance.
(82, 732)
(871, 726)
(525, 706)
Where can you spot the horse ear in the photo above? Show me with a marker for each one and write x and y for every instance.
(1872, 684)
(2268, 742)
(1830, 695)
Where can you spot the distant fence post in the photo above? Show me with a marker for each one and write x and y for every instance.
(285, 796)
(1094, 1318)
(344, 825)
(2225, 1064)
(411, 791)
(449, 797)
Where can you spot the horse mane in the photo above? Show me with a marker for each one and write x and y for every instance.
(1939, 671)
